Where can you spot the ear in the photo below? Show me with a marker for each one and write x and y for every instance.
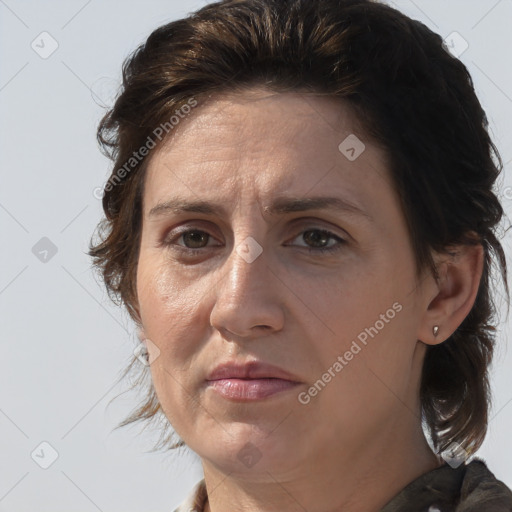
(135, 314)
(460, 273)
(140, 333)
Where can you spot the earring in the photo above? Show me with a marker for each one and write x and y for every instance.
(435, 330)
(141, 351)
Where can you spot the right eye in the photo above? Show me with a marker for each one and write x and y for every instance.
(193, 240)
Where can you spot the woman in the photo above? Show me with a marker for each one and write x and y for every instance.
(301, 222)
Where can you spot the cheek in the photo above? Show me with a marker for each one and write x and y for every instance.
(169, 314)
(370, 306)
(169, 311)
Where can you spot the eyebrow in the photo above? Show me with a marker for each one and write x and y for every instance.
(280, 205)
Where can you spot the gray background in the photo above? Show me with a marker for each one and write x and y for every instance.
(63, 343)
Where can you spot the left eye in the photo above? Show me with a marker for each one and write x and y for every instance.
(319, 238)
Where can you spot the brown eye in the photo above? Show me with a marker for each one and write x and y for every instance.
(194, 239)
(188, 240)
(316, 237)
(317, 240)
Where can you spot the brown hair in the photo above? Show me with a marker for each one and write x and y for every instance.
(410, 95)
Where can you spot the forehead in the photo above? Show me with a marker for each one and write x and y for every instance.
(260, 120)
(269, 143)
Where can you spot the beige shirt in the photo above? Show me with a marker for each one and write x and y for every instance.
(468, 488)
(196, 500)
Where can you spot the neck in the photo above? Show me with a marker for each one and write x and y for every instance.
(361, 480)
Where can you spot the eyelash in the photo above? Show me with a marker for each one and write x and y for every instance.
(318, 250)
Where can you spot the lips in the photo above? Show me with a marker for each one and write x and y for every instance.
(250, 370)
(250, 381)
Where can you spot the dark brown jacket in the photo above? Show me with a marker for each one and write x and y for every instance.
(467, 488)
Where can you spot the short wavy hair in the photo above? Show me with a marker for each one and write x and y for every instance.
(410, 95)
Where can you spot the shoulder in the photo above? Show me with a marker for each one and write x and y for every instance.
(471, 487)
(481, 488)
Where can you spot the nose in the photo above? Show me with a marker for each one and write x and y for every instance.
(248, 296)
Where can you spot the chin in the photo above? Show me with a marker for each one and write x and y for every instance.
(245, 450)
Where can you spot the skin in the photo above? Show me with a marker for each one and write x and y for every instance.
(359, 441)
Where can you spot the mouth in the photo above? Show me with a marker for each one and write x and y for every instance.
(246, 390)
(253, 380)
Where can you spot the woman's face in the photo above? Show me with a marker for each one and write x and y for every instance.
(223, 276)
